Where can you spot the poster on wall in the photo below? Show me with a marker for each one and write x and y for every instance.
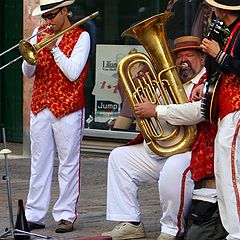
(107, 97)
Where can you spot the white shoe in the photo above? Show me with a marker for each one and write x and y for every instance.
(126, 231)
(165, 236)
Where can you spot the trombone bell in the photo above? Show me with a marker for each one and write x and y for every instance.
(28, 52)
(17, 45)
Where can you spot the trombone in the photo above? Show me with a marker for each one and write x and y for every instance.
(18, 44)
(29, 52)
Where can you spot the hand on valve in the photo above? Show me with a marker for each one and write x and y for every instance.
(145, 109)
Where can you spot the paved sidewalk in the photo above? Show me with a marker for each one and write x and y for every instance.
(92, 204)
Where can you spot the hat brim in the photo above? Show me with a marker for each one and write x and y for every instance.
(37, 11)
(186, 48)
(218, 5)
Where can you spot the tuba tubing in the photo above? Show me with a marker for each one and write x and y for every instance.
(161, 84)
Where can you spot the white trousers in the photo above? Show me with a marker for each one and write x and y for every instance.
(48, 136)
(130, 165)
(227, 172)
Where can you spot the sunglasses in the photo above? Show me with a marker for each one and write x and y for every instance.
(51, 15)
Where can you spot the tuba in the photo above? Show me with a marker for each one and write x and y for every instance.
(160, 84)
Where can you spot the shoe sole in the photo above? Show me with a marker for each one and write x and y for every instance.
(63, 230)
(127, 237)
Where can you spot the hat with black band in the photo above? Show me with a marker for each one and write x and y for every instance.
(49, 5)
(225, 4)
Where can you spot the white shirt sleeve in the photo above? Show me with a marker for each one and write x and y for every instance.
(181, 114)
(73, 66)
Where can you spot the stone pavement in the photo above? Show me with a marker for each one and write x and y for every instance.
(92, 205)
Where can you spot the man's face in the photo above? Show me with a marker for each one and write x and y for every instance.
(194, 61)
(55, 18)
(218, 13)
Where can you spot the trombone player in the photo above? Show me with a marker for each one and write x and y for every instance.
(57, 116)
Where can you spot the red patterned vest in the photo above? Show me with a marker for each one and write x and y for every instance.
(202, 159)
(229, 92)
(51, 87)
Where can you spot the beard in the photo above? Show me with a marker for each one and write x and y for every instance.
(187, 73)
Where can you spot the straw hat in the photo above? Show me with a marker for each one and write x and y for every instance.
(186, 42)
(225, 4)
(48, 5)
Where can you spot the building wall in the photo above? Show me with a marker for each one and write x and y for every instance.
(29, 23)
(10, 73)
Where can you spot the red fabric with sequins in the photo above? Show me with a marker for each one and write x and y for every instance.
(51, 87)
(202, 160)
(229, 97)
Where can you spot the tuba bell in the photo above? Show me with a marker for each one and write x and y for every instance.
(160, 84)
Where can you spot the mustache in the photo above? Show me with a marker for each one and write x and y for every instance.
(184, 65)
(186, 71)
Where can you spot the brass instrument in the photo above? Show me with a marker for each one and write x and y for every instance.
(17, 45)
(160, 84)
(29, 51)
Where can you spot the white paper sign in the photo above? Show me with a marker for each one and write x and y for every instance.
(107, 98)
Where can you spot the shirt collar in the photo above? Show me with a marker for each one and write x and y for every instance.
(196, 79)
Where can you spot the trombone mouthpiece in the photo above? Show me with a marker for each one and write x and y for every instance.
(183, 65)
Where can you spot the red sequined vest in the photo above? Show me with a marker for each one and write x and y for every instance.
(51, 87)
(202, 159)
(229, 92)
